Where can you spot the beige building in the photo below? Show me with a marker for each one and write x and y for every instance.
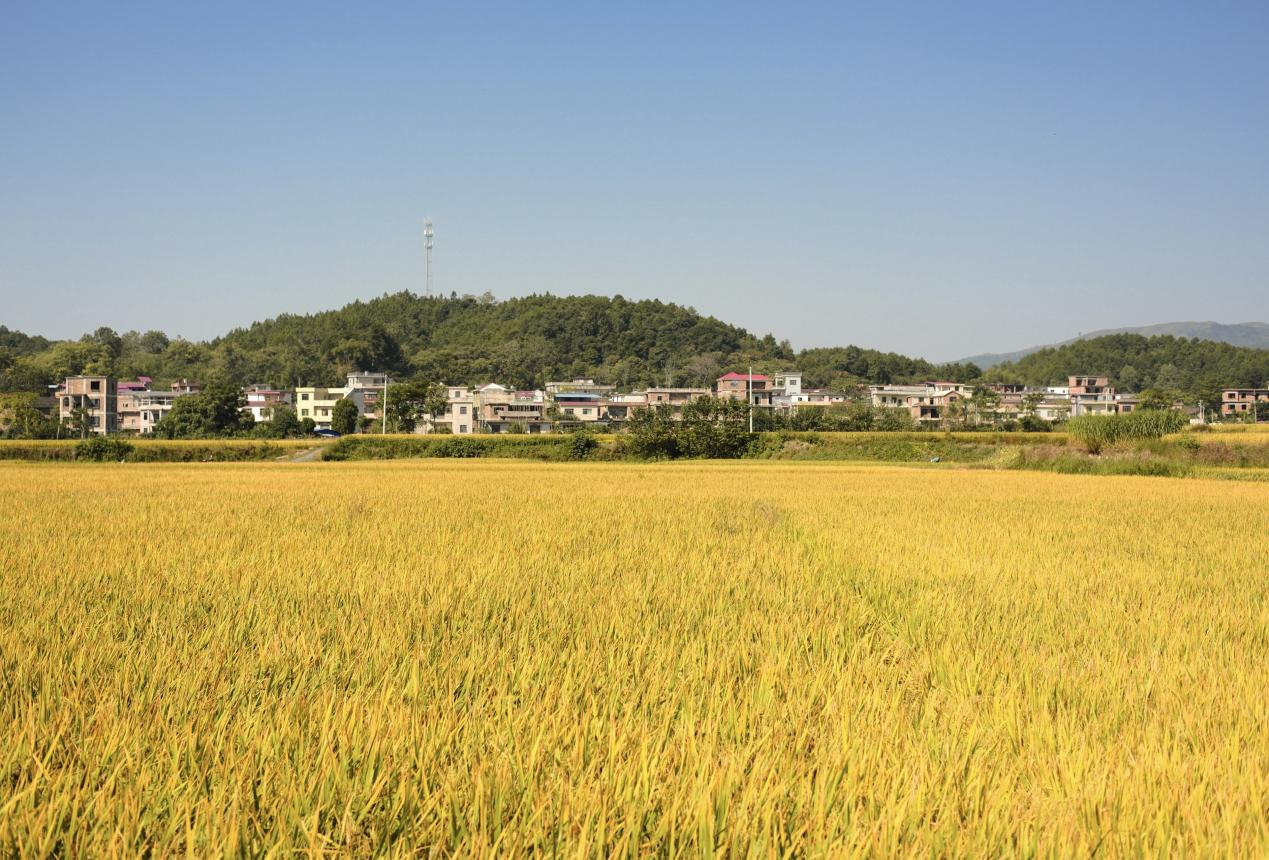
(579, 386)
(1242, 401)
(459, 417)
(1091, 395)
(95, 397)
(318, 402)
(501, 409)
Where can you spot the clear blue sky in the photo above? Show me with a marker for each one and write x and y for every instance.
(933, 178)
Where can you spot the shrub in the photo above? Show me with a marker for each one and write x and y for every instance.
(102, 449)
(581, 444)
(460, 446)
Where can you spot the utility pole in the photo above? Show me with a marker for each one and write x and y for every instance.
(384, 408)
(428, 233)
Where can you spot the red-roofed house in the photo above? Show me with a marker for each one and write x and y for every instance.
(737, 386)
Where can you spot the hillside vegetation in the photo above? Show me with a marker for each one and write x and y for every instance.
(1190, 368)
(522, 342)
(527, 341)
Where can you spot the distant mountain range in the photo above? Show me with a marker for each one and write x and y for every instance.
(1250, 334)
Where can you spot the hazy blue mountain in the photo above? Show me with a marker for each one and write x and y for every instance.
(1251, 334)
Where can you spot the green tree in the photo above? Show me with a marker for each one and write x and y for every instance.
(413, 401)
(344, 416)
(282, 424)
(1153, 398)
(892, 419)
(984, 404)
(19, 419)
(652, 433)
(218, 410)
(714, 428)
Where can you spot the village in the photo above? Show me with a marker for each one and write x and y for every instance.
(104, 405)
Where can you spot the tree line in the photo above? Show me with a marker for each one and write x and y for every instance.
(522, 342)
(525, 342)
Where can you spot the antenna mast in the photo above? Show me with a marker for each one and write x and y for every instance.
(428, 233)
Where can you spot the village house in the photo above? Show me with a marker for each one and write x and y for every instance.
(582, 406)
(459, 416)
(619, 407)
(95, 398)
(754, 388)
(263, 399)
(675, 398)
(1094, 395)
(129, 404)
(318, 402)
(927, 403)
(503, 410)
(141, 407)
(579, 386)
(1242, 401)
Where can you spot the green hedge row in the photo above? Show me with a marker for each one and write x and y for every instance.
(113, 450)
(543, 447)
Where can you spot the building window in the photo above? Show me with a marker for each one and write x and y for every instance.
(462, 410)
(303, 413)
(95, 385)
(462, 428)
(304, 397)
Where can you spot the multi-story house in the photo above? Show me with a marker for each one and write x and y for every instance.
(152, 407)
(581, 406)
(500, 410)
(128, 402)
(1091, 395)
(263, 399)
(318, 402)
(896, 396)
(579, 386)
(459, 416)
(142, 408)
(933, 406)
(95, 398)
(928, 403)
(619, 407)
(1242, 401)
(755, 388)
(674, 397)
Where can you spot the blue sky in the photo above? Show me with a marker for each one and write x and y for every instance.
(933, 178)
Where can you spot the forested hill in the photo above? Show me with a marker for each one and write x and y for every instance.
(1185, 367)
(521, 341)
(526, 341)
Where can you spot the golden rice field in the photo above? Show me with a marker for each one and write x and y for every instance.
(760, 659)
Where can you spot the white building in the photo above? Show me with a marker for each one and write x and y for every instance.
(261, 400)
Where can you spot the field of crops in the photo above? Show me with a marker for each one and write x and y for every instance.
(709, 659)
